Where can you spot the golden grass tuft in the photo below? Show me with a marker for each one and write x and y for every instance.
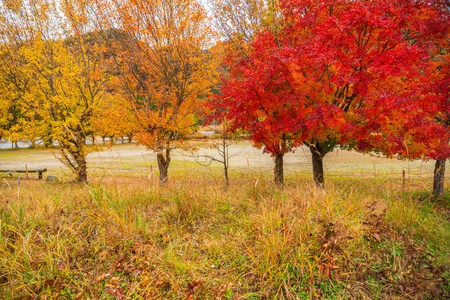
(125, 237)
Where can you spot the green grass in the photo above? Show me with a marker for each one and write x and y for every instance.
(124, 237)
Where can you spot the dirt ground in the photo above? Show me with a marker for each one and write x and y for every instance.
(134, 159)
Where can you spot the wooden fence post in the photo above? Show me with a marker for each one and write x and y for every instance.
(404, 180)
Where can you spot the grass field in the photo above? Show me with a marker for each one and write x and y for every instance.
(367, 236)
(136, 160)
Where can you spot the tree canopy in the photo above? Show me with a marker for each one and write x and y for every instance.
(354, 74)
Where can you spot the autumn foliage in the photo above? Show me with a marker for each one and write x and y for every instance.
(163, 67)
(54, 76)
(365, 75)
(77, 69)
(354, 74)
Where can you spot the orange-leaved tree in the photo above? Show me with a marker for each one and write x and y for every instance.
(161, 54)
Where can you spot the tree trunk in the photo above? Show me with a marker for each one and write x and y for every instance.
(73, 156)
(163, 157)
(80, 158)
(438, 181)
(227, 182)
(225, 155)
(318, 152)
(278, 171)
(82, 169)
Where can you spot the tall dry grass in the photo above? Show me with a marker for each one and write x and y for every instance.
(125, 237)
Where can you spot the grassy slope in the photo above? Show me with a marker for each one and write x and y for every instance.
(123, 236)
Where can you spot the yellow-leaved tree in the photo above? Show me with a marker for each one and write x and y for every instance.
(11, 93)
(13, 85)
(64, 75)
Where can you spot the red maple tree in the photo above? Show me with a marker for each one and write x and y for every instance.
(353, 74)
(441, 88)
